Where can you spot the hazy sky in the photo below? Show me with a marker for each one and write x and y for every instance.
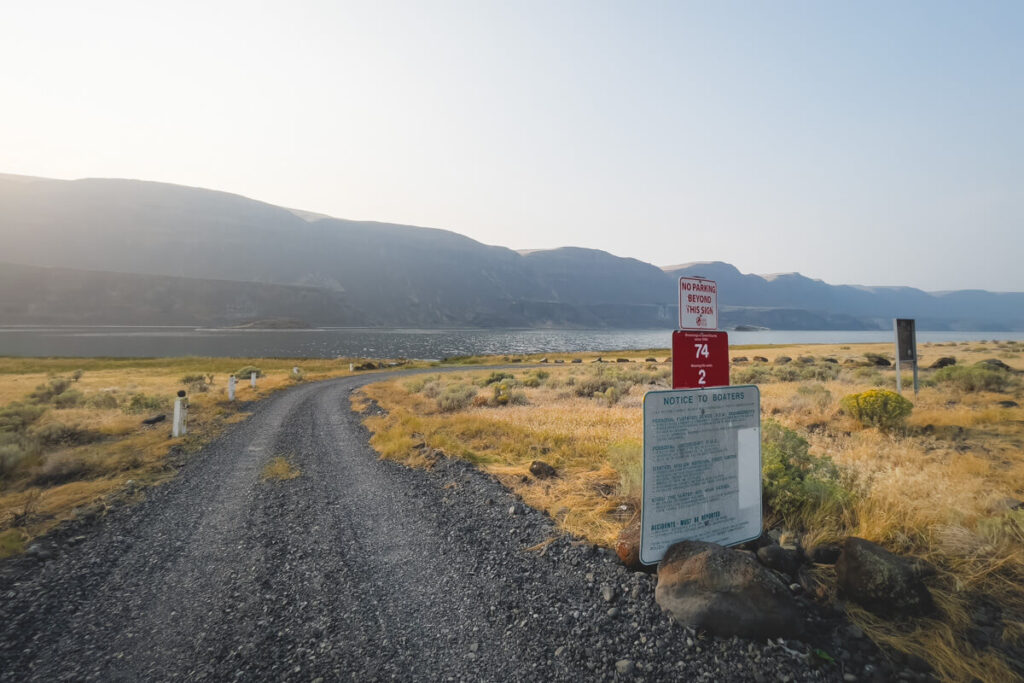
(857, 142)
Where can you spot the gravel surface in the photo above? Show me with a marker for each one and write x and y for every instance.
(359, 569)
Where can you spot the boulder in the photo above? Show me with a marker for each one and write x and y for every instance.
(155, 419)
(577, 360)
(542, 470)
(780, 559)
(650, 360)
(760, 359)
(725, 592)
(623, 360)
(832, 360)
(943, 362)
(805, 360)
(826, 553)
(881, 581)
(740, 359)
(782, 360)
(993, 364)
(1007, 404)
(627, 546)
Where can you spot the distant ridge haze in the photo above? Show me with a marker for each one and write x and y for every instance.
(68, 241)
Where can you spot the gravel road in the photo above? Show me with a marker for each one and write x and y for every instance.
(358, 569)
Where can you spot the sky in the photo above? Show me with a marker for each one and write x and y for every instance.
(875, 143)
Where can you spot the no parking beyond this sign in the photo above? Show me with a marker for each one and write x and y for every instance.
(702, 468)
(698, 304)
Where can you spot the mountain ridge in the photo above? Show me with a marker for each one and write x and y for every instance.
(384, 274)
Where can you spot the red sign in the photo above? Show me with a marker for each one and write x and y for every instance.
(700, 359)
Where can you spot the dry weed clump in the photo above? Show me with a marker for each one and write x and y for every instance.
(939, 487)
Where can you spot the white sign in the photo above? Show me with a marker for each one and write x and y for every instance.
(702, 468)
(698, 304)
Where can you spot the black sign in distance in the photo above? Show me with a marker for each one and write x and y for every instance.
(906, 340)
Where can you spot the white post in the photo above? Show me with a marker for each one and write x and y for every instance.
(180, 411)
(231, 388)
(295, 370)
(351, 367)
(252, 380)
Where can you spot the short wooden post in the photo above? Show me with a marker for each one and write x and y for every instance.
(231, 388)
(351, 367)
(252, 380)
(180, 416)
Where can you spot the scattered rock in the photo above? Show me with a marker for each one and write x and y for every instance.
(155, 419)
(1007, 404)
(740, 359)
(576, 360)
(542, 470)
(879, 580)
(826, 553)
(831, 360)
(805, 360)
(607, 593)
(725, 592)
(543, 360)
(625, 667)
(623, 360)
(994, 364)
(650, 360)
(943, 362)
(760, 359)
(780, 559)
(782, 360)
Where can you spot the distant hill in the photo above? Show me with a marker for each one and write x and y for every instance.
(134, 252)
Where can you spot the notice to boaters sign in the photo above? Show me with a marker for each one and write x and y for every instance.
(698, 304)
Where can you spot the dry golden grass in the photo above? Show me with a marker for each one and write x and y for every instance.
(935, 490)
(125, 449)
(279, 469)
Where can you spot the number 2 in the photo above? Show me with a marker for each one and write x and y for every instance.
(703, 376)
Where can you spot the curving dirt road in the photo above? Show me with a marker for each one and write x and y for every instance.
(358, 569)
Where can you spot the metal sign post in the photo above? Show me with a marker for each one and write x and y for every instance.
(906, 349)
(702, 468)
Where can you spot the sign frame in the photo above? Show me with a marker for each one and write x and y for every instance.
(748, 482)
(698, 304)
(905, 330)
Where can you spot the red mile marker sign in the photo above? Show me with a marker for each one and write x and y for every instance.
(700, 359)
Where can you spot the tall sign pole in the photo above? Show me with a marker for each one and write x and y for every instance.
(906, 349)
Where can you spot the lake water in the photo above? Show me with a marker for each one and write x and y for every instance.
(392, 343)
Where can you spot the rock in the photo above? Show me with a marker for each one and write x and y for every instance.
(993, 363)
(1007, 404)
(155, 419)
(943, 362)
(625, 667)
(542, 470)
(725, 592)
(627, 546)
(833, 361)
(650, 360)
(805, 360)
(560, 651)
(760, 359)
(623, 360)
(607, 593)
(576, 360)
(740, 359)
(778, 558)
(558, 361)
(826, 553)
(880, 581)
(543, 360)
(613, 612)
(782, 360)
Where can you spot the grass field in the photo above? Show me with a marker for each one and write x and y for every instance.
(941, 484)
(71, 432)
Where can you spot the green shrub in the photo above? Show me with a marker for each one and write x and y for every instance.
(455, 397)
(416, 384)
(820, 372)
(432, 389)
(786, 373)
(880, 408)
(142, 403)
(59, 434)
(799, 486)
(102, 401)
(811, 396)
(10, 456)
(612, 395)
(869, 376)
(192, 379)
(753, 374)
(495, 377)
(247, 372)
(60, 469)
(974, 378)
(505, 395)
(16, 417)
(45, 393)
(69, 399)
